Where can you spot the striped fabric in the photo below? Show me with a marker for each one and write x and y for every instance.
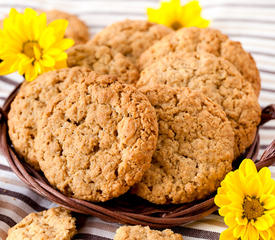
(250, 21)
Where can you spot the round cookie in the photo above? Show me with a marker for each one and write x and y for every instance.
(190, 40)
(194, 150)
(219, 80)
(103, 60)
(145, 233)
(77, 29)
(99, 136)
(30, 103)
(130, 37)
(55, 224)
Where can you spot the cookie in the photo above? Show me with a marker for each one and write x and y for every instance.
(190, 40)
(130, 37)
(145, 233)
(29, 104)
(194, 150)
(99, 136)
(55, 224)
(103, 60)
(219, 80)
(77, 29)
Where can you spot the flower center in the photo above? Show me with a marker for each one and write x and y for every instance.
(252, 208)
(28, 49)
(176, 25)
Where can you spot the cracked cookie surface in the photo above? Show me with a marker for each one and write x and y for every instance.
(130, 37)
(29, 105)
(190, 40)
(103, 60)
(145, 233)
(219, 80)
(97, 138)
(194, 150)
(53, 224)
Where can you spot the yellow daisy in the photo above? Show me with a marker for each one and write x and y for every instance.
(30, 46)
(172, 14)
(247, 201)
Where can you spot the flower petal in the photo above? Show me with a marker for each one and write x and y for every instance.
(251, 233)
(241, 220)
(239, 231)
(48, 61)
(59, 26)
(64, 44)
(47, 38)
(264, 222)
(230, 219)
(227, 235)
(173, 15)
(247, 168)
(30, 74)
(268, 201)
(265, 235)
(254, 187)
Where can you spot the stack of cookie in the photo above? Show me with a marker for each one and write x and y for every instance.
(140, 107)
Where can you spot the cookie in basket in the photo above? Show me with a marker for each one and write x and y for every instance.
(145, 233)
(55, 224)
(77, 29)
(219, 80)
(96, 139)
(194, 150)
(190, 40)
(29, 104)
(130, 37)
(103, 60)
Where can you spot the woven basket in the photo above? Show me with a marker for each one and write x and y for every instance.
(126, 209)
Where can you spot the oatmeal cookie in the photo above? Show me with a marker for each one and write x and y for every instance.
(219, 80)
(145, 233)
(194, 150)
(130, 37)
(29, 104)
(99, 136)
(53, 224)
(77, 29)
(190, 40)
(103, 60)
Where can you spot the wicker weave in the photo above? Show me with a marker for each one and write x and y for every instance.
(127, 209)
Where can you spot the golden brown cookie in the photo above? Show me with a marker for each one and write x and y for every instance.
(103, 60)
(194, 150)
(130, 37)
(53, 224)
(99, 136)
(190, 40)
(219, 80)
(29, 104)
(77, 29)
(145, 233)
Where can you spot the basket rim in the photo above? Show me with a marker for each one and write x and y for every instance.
(155, 216)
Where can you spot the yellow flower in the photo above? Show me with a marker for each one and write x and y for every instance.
(247, 201)
(172, 14)
(30, 46)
